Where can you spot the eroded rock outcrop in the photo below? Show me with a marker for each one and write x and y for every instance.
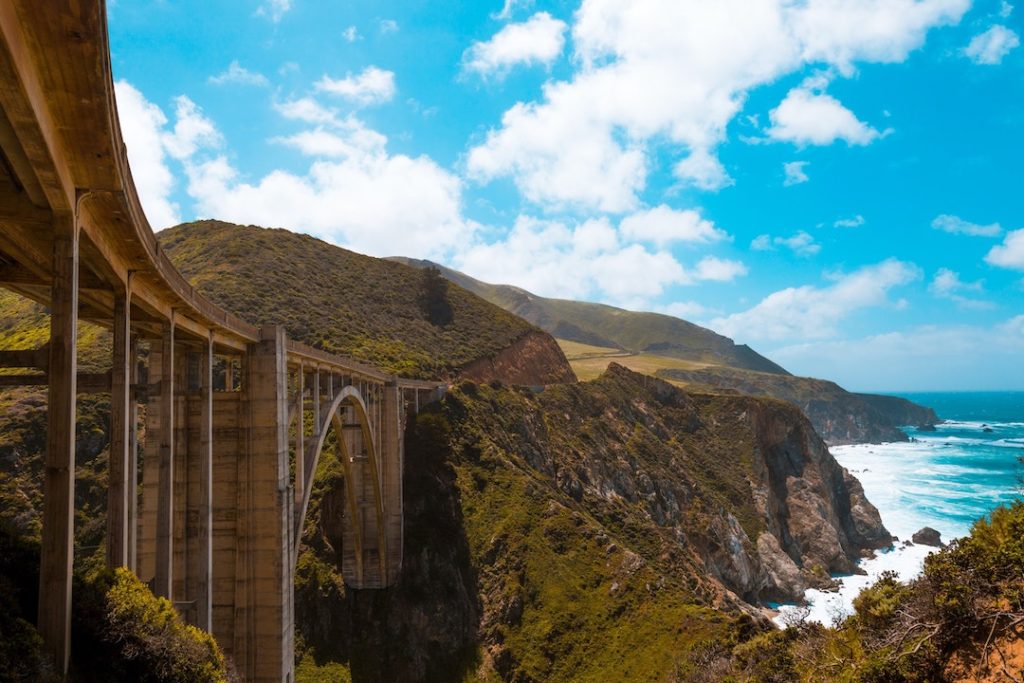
(532, 359)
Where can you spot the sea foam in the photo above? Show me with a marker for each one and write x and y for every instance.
(944, 479)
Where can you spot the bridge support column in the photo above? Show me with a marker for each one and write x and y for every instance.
(133, 458)
(163, 575)
(392, 449)
(57, 551)
(204, 580)
(264, 627)
(119, 490)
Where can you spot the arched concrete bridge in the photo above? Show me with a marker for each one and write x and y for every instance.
(235, 416)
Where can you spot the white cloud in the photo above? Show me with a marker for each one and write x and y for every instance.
(356, 140)
(589, 260)
(991, 46)
(719, 270)
(192, 130)
(586, 261)
(1005, 10)
(795, 173)
(274, 9)
(854, 222)
(808, 118)
(509, 7)
(308, 110)
(372, 86)
(703, 170)
(142, 124)
(388, 26)
(802, 243)
(351, 34)
(958, 226)
(1009, 254)
(947, 285)
(674, 73)
(663, 225)
(538, 40)
(907, 360)
(236, 73)
(809, 312)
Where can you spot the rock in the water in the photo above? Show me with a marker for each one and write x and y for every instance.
(928, 536)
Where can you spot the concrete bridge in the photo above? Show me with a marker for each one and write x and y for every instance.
(235, 416)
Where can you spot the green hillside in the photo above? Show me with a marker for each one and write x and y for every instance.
(602, 325)
(337, 300)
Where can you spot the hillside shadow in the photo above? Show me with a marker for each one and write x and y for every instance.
(424, 628)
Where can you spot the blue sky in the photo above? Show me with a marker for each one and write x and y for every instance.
(835, 182)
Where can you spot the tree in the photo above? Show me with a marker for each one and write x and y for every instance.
(433, 297)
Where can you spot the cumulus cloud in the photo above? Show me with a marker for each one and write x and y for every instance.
(372, 86)
(795, 173)
(802, 243)
(947, 285)
(808, 118)
(192, 130)
(1009, 254)
(854, 222)
(236, 73)
(663, 225)
(388, 26)
(990, 47)
(142, 126)
(810, 312)
(958, 226)
(351, 34)
(551, 258)
(274, 9)
(674, 73)
(538, 40)
(589, 260)
(355, 193)
(718, 270)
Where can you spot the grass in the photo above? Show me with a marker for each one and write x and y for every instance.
(589, 362)
(337, 300)
(608, 326)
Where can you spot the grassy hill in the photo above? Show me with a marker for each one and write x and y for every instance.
(607, 326)
(337, 300)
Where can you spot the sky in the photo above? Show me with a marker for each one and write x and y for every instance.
(836, 183)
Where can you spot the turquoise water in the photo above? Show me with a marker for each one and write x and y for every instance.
(952, 476)
(944, 479)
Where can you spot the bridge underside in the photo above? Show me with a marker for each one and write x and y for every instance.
(235, 416)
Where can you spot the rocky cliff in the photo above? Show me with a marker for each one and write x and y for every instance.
(594, 531)
(839, 416)
(533, 359)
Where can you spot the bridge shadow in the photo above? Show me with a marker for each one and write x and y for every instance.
(425, 627)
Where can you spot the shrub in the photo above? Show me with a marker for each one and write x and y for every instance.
(125, 633)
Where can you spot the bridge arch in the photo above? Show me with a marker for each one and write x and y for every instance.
(365, 556)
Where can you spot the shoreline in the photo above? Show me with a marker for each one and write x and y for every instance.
(944, 479)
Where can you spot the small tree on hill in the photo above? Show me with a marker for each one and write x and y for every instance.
(433, 297)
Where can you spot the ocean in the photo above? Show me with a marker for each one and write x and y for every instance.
(944, 479)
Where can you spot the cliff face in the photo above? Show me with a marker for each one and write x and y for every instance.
(533, 359)
(900, 411)
(839, 416)
(601, 529)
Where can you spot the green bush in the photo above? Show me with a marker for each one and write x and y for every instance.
(125, 633)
